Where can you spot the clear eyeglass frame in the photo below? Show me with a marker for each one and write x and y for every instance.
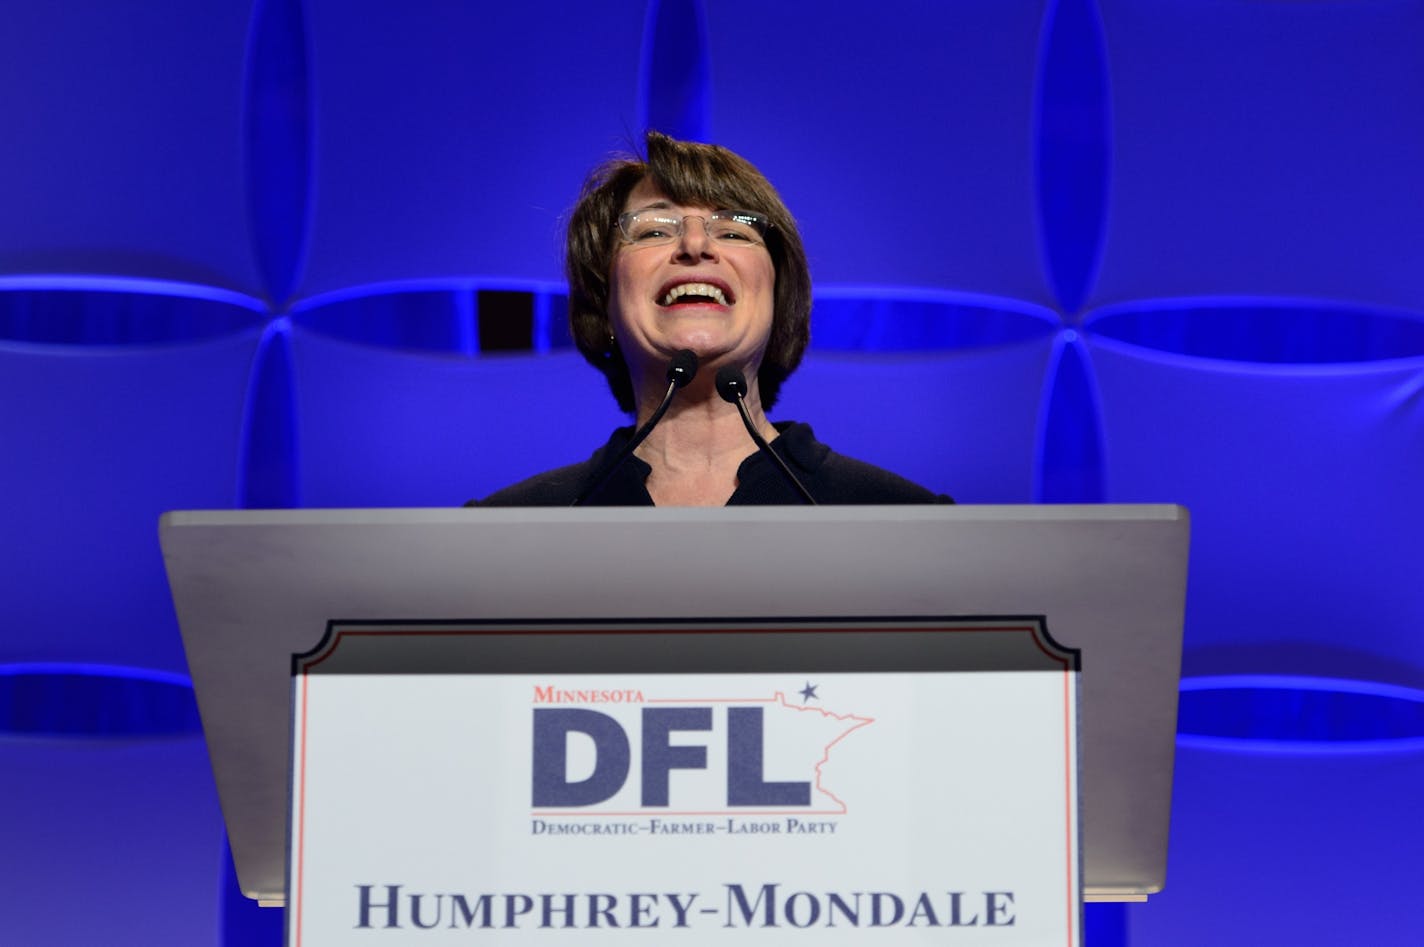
(656, 228)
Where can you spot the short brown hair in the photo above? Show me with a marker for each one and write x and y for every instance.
(686, 173)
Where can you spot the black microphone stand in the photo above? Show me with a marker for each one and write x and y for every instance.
(680, 371)
(732, 386)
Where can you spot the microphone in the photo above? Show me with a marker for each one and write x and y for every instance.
(681, 369)
(732, 386)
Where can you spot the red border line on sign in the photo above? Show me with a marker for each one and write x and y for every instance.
(301, 821)
(1068, 800)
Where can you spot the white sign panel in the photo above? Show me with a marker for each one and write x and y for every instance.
(461, 796)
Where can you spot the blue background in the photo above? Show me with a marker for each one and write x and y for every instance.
(262, 253)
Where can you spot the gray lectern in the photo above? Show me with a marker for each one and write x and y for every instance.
(253, 588)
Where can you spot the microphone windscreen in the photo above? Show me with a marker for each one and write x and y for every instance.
(731, 383)
(682, 367)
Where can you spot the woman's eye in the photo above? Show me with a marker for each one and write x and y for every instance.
(736, 232)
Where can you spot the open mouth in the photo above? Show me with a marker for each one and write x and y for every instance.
(690, 293)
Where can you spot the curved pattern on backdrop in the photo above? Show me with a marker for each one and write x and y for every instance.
(1302, 476)
(130, 120)
(278, 140)
(674, 79)
(127, 817)
(903, 140)
(1072, 155)
(114, 759)
(284, 252)
(1266, 149)
(390, 428)
(101, 439)
(1317, 778)
(448, 142)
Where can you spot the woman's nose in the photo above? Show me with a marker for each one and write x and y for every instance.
(695, 240)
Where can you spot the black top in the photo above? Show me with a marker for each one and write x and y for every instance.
(829, 477)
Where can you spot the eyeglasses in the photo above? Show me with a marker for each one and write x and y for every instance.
(656, 228)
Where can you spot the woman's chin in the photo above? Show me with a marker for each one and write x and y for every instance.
(713, 350)
(706, 349)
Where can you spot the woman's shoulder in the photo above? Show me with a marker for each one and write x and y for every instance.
(844, 479)
(558, 487)
(562, 485)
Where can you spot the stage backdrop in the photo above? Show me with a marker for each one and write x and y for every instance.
(267, 253)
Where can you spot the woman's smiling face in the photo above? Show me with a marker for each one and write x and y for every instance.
(713, 296)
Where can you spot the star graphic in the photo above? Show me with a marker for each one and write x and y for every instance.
(809, 691)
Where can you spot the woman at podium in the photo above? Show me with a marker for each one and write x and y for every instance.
(689, 291)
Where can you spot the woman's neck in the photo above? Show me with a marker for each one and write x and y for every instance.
(698, 446)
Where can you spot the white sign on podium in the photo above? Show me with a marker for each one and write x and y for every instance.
(896, 779)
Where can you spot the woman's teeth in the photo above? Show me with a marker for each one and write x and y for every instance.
(706, 290)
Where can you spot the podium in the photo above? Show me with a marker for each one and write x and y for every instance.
(255, 589)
